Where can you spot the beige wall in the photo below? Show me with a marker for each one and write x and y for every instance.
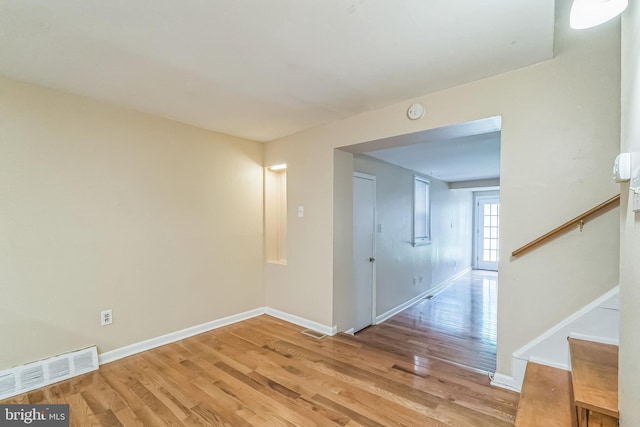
(304, 286)
(344, 294)
(397, 260)
(560, 127)
(630, 225)
(107, 208)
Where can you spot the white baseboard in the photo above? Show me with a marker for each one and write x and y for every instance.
(551, 348)
(300, 321)
(551, 363)
(503, 381)
(601, 340)
(587, 308)
(129, 350)
(431, 291)
(350, 331)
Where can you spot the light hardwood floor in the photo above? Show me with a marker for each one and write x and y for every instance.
(264, 372)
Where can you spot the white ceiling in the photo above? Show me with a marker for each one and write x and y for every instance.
(468, 158)
(463, 152)
(264, 69)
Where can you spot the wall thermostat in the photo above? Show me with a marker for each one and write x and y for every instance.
(622, 167)
(415, 111)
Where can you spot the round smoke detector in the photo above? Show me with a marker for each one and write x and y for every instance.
(415, 111)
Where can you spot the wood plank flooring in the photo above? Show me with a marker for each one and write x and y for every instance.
(459, 325)
(264, 372)
(546, 398)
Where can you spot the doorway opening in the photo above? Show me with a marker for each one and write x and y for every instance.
(459, 163)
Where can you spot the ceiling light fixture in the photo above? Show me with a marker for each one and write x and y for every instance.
(590, 13)
(278, 167)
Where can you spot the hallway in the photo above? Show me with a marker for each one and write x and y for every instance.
(458, 325)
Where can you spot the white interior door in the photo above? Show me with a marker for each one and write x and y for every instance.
(487, 232)
(364, 208)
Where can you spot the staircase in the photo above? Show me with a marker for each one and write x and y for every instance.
(585, 397)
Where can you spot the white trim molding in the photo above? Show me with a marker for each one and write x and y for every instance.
(431, 291)
(551, 363)
(594, 338)
(545, 350)
(129, 350)
(300, 321)
(504, 381)
(567, 321)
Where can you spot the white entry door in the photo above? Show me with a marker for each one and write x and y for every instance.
(487, 232)
(364, 208)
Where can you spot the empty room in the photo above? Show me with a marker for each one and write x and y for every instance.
(287, 212)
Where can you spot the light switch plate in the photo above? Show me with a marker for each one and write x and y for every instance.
(635, 188)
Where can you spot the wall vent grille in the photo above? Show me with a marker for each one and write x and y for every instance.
(24, 378)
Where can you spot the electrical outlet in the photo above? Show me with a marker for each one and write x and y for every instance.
(106, 317)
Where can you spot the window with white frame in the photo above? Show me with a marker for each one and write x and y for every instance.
(421, 212)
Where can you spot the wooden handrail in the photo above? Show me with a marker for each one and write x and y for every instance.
(579, 220)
